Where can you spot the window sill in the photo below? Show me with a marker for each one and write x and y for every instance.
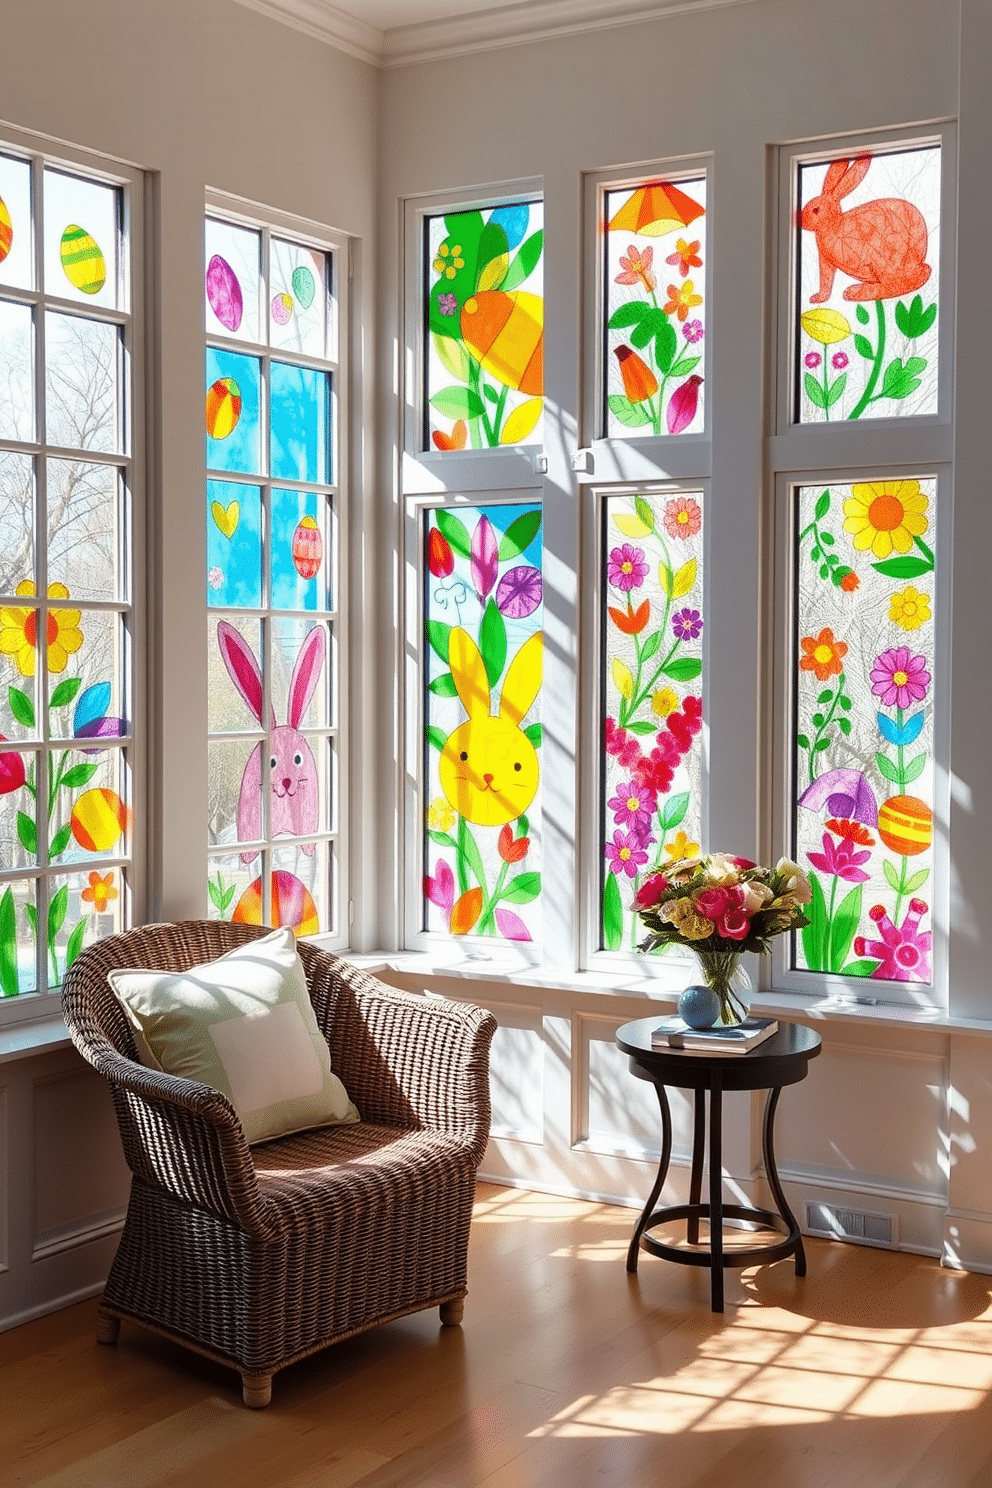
(21, 1040)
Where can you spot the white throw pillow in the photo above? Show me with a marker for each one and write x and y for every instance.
(243, 1024)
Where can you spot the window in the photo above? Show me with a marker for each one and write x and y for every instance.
(273, 515)
(71, 459)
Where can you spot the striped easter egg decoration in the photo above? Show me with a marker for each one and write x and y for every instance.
(6, 230)
(84, 264)
(905, 825)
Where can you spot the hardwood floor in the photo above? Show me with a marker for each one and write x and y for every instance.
(876, 1369)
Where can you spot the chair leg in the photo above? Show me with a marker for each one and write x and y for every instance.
(256, 1389)
(452, 1312)
(108, 1327)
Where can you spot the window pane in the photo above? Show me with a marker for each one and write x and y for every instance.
(868, 243)
(16, 228)
(655, 308)
(864, 766)
(233, 401)
(299, 888)
(299, 423)
(18, 813)
(227, 880)
(82, 375)
(234, 676)
(18, 923)
(235, 793)
(484, 327)
(16, 371)
(298, 299)
(299, 542)
(90, 816)
(84, 907)
(16, 521)
(234, 545)
(484, 608)
(653, 608)
(232, 280)
(84, 528)
(85, 663)
(301, 678)
(82, 239)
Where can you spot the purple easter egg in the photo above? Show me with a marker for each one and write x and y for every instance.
(282, 308)
(224, 293)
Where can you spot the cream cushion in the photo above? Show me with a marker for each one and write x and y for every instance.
(243, 1024)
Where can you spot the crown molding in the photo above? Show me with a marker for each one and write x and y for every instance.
(478, 31)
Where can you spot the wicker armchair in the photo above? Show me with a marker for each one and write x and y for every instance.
(259, 1256)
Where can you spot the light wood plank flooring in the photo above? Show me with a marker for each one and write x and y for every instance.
(876, 1369)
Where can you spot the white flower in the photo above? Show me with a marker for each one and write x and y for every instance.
(215, 578)
(792, 880)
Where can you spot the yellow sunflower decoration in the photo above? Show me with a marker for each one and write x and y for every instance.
(885, 516)
(19, 631)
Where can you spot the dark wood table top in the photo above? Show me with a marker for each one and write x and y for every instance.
(781, 1060)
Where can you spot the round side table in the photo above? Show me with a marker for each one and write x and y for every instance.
(781, 1060)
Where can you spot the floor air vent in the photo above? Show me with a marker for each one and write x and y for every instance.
(859, 1225)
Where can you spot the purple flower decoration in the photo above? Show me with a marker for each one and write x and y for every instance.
(839, 360)
(693, 331)
(485, 558)
(687, 624)
(633, 806)
(845, 793)
(812, 359)
(627, 853)
(447, 304)
(518, 592)
(840, 859)
(627, 568)
(511, 926)
(903, 953)
(898, 677)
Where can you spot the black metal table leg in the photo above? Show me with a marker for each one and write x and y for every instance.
(696, 1175)
(794, 1232)
(716, 1195)
(666, 1154)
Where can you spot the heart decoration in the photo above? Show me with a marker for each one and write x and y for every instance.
(227, 519)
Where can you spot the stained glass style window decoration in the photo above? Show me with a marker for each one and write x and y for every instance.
(652, 629)
(272, 633)
(868, 243)
(66, 778)
(863, 752)
(484, 615)
(655, 308)
(484, 327)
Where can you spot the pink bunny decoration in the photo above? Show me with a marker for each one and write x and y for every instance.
(292, 767)
(882, 243)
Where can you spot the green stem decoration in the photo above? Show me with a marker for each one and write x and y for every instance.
(873, 376)
(828, 719)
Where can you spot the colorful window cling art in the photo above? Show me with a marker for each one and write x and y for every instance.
(868, 241)
(655, 308)
(484, 612)
(864, 769)
(484, 333)
(652, 630)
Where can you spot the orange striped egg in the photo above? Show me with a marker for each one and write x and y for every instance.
(84, 264)
(223, 407)
(98, 820)
(6, 230)
(308, 548)
(905, 824)
(292, 904)
(505, 332)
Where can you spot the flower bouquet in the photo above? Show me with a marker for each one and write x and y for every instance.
(720, 906)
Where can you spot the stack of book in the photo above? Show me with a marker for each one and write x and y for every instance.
(674, 1033)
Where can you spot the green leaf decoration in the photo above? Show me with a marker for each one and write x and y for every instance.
(630, 314)
(844, 724)
(526, 261)
(903, 568)
(453, 356)
(216, 894)
(642, 727)
(822, 506)
(819, 720)
(815, 552)
(815, 932)
(522, 889)
(27, 832)
(490, 393)
(436, 736)
(535, 733)
(666, 345)
(846, 702)
(842, 929)
(862, 314)
(75, 944)
(443, 686)
(892, 878)
(493, 244)
(457, 403)
(814, 390)
(634, 415)
(674, 811)
(927, 552)
(912, 319)
(56, 913)
(887, 769)
(65, 692)
(864, 348)
(641, 334)
(31, 915)
(454, 531)
(21, 706)
(644, 511)
(492, 641)
(464, 231)
(835, 389)
(469, 854)
(802, 742)
(683, 668)
(862, 968)
(443, 839)
(825, 696)
(78, 775)
(684, 366)
(9, 980)
(612, 914)
(820, 745)
(439, 636)
(827, 539)
(916, 881)
(914, 768)
(519, 535)
(651, 645)
(902, 378)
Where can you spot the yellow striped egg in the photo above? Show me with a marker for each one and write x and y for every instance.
(905, 824)
(6, 230)
(223, 407)
(98, 819)
(84, 264)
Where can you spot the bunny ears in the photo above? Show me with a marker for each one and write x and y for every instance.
(520, 686)
(246, 674)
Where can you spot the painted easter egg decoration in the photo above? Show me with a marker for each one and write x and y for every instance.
(282, 308)
(505, 332)
(308, 549)
(84, 264)
(6, 230)
(223, 407)
(303, 286)
(905, 825)
(292, 904)
(513, 220)
(224, 293)
(98, 819)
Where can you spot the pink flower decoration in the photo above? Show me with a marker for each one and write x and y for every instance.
(627, 568)
(898, 677)
(485, 558)
(840, 859)
(903, 953)
(511, 926)
(812, 359)
(440, 889)
(682, 405)
(11, 772)
(633, 806)
(627, 853)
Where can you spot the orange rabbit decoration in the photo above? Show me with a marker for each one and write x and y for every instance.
(882, 244)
